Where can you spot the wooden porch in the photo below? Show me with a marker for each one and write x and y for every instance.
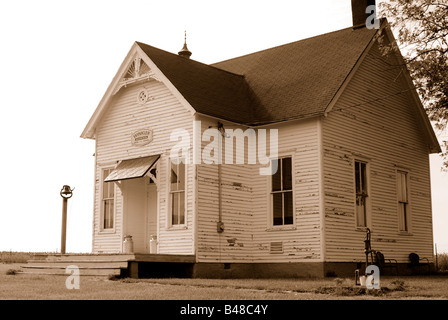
(120, 265)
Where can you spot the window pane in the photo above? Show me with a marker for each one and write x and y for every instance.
(361, 193)
(105, 213)
(181, 196)
(105, 184)
(105, 190)
(361, 211)
(277, 178)
(357, 177)
(402, 217)
(174, 208)
(275, 166)
(287, 211)
(286, 173)
(111, 186)
(405, 217)
(181, 176)
(363, 178)
(108, 214)
(399, 187)
(402, 191)
(174, 177)
(404, 187)
(277, 208)
(108, 201)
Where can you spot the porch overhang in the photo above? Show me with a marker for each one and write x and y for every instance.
(132, 168)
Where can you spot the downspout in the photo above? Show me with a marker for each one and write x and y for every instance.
(220, 224)
(321, 190)
(196, 162)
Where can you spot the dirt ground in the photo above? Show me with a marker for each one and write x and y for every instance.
(15, 285)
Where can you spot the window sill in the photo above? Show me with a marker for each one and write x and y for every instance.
(177, 227)
(281, 228)
(107, 231)
(405, 233)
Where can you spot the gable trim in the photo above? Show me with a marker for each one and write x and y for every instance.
(115, 86)
(433, 144)
(165, 80)
(354, 69)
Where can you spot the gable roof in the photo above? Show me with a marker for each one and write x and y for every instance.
(300, 79)
(287, 82)
(292, 81)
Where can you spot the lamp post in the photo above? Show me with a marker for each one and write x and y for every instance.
(66, 193)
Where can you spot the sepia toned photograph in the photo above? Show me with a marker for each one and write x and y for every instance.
(224, 159)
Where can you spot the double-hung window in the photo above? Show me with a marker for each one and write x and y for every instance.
(403, 201)
(281, 193)
(361, 193)
(107, 202)
(177, 192)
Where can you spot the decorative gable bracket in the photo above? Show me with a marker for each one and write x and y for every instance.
(138, 71)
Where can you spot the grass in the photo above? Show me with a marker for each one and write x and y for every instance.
(15, 257)
(18, 286)
(19, 257)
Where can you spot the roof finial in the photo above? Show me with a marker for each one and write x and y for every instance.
(184, 52)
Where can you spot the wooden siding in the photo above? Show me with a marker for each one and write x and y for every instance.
(248, 232)
(162, 113)
(234, 244)
(298, 139)
(386, 133)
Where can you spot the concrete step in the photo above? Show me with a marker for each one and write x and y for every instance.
(80, 264)
(82, 272)
(86, 257)
(88, 264)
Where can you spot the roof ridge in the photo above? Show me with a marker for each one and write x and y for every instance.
(192, 60)
(285, 44)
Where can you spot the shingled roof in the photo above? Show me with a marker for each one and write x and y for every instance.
(209, 90)
(291, 81)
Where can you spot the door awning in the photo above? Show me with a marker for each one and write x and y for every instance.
(132, 168)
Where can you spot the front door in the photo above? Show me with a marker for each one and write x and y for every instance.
(135, 217)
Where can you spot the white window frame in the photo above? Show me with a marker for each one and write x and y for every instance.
(271, 225)
(367, 197)
(170, 224)
(406, 204)
(102, 201)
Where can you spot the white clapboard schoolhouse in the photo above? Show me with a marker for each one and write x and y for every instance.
(275, 163)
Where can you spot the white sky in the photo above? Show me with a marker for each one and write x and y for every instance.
(57, 59)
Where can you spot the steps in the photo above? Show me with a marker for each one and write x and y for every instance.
(88, 264)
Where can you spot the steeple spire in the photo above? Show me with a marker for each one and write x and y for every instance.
(184, 52)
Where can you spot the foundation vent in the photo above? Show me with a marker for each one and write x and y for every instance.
(276, 247)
